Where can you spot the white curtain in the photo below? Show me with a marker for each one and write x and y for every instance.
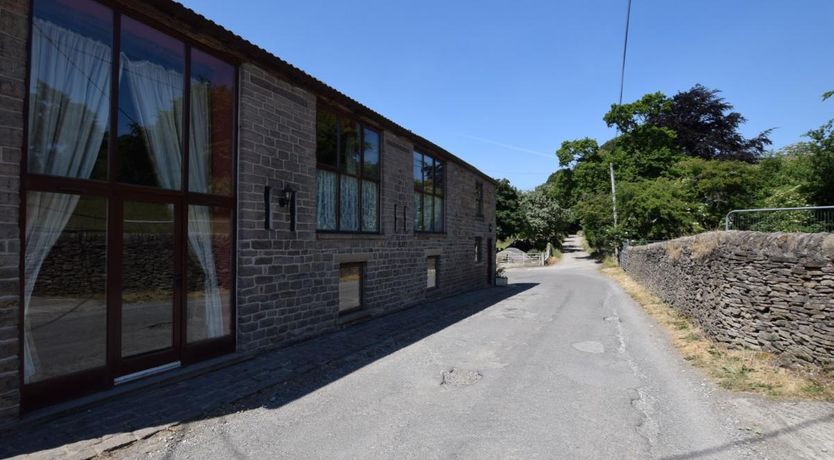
(69, 103)
(199, 217)
(200, 244)
(369, 206)
(156, 93)
(326, 200)
(349, 212)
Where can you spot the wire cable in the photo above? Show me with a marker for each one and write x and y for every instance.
(625, 50)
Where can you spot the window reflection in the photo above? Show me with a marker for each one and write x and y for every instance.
(371, 154)
(431, 272)
(349, 160)
(347, 176)
(428, 175)
(350, 286)
(211, 125)
(64, 303)
(148, 254)
(151, 92)
(209, 269)
(327, 138)
(69, 94)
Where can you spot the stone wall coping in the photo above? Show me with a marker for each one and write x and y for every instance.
(795, 245)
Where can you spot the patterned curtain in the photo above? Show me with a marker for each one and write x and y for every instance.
(349, 206)
(325, 200)
(370, 192)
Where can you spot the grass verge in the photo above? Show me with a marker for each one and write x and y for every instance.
(732, 369)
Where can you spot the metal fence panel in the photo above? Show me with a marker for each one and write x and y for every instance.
(811, 219)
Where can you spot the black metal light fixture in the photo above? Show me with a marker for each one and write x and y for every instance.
(268, 207)
(287, 198)
(287, 195)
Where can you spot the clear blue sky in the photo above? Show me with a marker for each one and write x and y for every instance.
(502, 84)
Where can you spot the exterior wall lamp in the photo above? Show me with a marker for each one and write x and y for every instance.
(287, 198)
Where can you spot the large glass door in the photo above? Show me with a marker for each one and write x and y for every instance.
(150, 274)
(129, 201)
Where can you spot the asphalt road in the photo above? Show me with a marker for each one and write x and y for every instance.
(570, 368)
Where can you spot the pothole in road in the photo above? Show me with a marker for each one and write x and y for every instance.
(590, 347)
(455, 377)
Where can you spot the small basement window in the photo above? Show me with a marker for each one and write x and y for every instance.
(350, 286)
(431, 272)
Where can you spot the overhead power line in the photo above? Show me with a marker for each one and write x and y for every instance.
(625, 50)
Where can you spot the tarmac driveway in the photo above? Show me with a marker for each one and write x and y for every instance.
(567, 368)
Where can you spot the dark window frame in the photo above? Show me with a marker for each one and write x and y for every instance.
(360, 174)
(479, 199)
(361, 266)
(434, 194)
(479, 250)
(41, 393)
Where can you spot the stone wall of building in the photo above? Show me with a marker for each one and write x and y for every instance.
(763, 291)
(288, 282)
(13, 38)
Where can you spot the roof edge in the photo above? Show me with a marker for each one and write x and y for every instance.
(296, 76)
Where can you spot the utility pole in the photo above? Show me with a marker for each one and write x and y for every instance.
(613, 192)
(622, 86)
(614, 205)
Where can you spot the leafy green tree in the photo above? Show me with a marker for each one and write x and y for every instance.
(595, 216)
(820, 183)
(560, 186)
(715, 188)
(655, 210)
(575, 151)
(509, 217)
(704, 124)
(630, 116)
(545, 221)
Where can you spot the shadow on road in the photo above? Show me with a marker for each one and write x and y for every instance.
(751, 440)
(270, 379)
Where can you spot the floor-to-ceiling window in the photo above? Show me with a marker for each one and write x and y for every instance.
(129, 204)
(347, 174)
(429, 190)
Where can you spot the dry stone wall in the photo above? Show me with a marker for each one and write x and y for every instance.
(763, 291)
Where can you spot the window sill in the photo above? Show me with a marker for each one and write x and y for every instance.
(430, 235)
(348, 236)
(354, 315)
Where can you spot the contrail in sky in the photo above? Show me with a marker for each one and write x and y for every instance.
(513, 147)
